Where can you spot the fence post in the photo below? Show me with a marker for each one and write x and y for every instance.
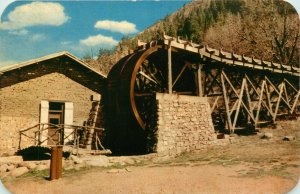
(56, 162)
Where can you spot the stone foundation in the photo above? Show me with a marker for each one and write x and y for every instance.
(184, 124)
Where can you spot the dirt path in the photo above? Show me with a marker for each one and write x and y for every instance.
(177, 179)
(250, 165)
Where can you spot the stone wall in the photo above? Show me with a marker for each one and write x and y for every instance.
(20, 103)
(184, 124)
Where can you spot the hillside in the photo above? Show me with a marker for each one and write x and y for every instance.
(268, 30)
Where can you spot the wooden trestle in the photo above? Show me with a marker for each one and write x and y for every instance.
(243, 91)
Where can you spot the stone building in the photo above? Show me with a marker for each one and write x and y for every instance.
(53, 89)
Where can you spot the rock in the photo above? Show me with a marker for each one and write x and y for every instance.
(297, 135)
(103, 152)
(28, 164)
(267, 135)
(288, 138)
(19, 171)
(97, 161)
(31, 165)
(128, 169)
(69, 167)
(46, 162)
(77, 167)
(11, 159)
(76, 159)
(3, 168)
(11, 167)
(113, 171)
(117, 170)
(122, 160)
(7, 153)
(41, 167)
(233, 135)
(122, 163)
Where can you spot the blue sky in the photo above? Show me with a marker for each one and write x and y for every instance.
(33, 29)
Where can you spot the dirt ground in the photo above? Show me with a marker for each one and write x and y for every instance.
(249, 165)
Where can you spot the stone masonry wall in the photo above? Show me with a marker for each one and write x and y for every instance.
(20, 104)
(184, 124)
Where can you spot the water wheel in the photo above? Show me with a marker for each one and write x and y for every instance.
(132, 85)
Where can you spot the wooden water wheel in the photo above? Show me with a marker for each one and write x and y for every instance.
(132, 85)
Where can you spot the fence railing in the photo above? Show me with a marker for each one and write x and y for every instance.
(38, 135)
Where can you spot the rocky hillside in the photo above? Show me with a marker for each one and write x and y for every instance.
(264, 29)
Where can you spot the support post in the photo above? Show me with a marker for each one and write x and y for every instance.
(200, 90)
(260, 101)
(226, 102)
(240, 99)
(278, 102)
(170, 68)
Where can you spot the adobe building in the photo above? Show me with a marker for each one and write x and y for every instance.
(53, 89)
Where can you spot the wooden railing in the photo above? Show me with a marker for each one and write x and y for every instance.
(39, 135)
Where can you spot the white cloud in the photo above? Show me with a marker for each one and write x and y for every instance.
(100, 41)
(33, 14)
(37, 37)
(123, 27)
(21, 32)
(66, 42)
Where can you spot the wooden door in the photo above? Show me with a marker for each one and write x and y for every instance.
(56, 117)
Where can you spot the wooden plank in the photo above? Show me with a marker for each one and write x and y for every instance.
(295, 102)
(249, 100)
(180, 73)
(255, 90)
(215, 104)
(236, 93)
(209, 87)
(170, 69)
(226, 103)
(222, 56)
(275, 89)
(285, 94)
(285, 80)
(278, 102)
(233, 107)
(239, 104)
(269, 100)
(260, 101)
(200, 89)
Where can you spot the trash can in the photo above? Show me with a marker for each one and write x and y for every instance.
(56, 162)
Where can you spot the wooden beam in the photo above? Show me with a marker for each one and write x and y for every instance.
(215, 104)
(278, 92)
(170, 68)
(200, 89)
(233, 107)
(236, 93)
(260, 101)
(226, 102)
(239, 104)
(295, 102)
(269, 100)
(278, 102)
(180, 73)
(249, 101)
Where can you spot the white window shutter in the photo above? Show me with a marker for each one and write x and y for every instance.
(68, 120)
(44, 115)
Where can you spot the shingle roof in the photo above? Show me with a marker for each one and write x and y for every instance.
(47, 57)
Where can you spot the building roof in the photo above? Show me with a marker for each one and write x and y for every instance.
(61, 62)
(48, 57)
